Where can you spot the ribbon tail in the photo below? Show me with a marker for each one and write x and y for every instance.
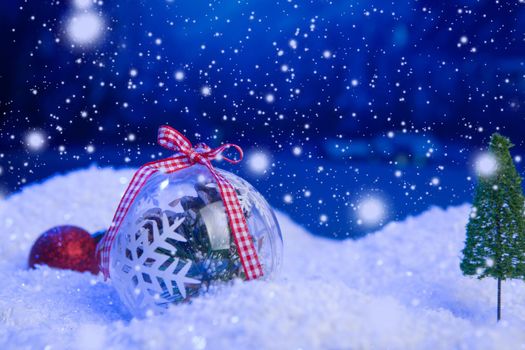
(239, 227)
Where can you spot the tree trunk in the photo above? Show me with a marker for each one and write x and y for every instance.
(499, 299)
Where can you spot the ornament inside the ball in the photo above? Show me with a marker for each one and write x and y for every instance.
(175, 241)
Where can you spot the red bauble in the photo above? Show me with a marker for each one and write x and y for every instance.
(65, 247)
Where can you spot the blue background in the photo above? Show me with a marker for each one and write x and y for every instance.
(368, 89)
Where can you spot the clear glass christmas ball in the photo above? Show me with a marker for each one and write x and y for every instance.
(175, 241)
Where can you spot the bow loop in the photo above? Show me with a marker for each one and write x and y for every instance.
(215, 153)
(173, 140)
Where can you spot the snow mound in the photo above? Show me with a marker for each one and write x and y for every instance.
(400, 288)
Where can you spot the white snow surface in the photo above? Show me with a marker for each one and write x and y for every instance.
(398, 288)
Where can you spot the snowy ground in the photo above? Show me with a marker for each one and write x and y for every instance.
(400, 288)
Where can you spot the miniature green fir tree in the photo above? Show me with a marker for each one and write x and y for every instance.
(495, 243)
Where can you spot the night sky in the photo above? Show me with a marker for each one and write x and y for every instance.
(351, 113)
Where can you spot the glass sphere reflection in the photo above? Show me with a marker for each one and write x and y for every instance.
(175, 241)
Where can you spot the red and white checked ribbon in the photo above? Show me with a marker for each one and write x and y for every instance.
(187, 156)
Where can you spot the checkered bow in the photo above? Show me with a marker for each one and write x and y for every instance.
(186, 156)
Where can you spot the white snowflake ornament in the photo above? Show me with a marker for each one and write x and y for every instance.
(175, 241)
